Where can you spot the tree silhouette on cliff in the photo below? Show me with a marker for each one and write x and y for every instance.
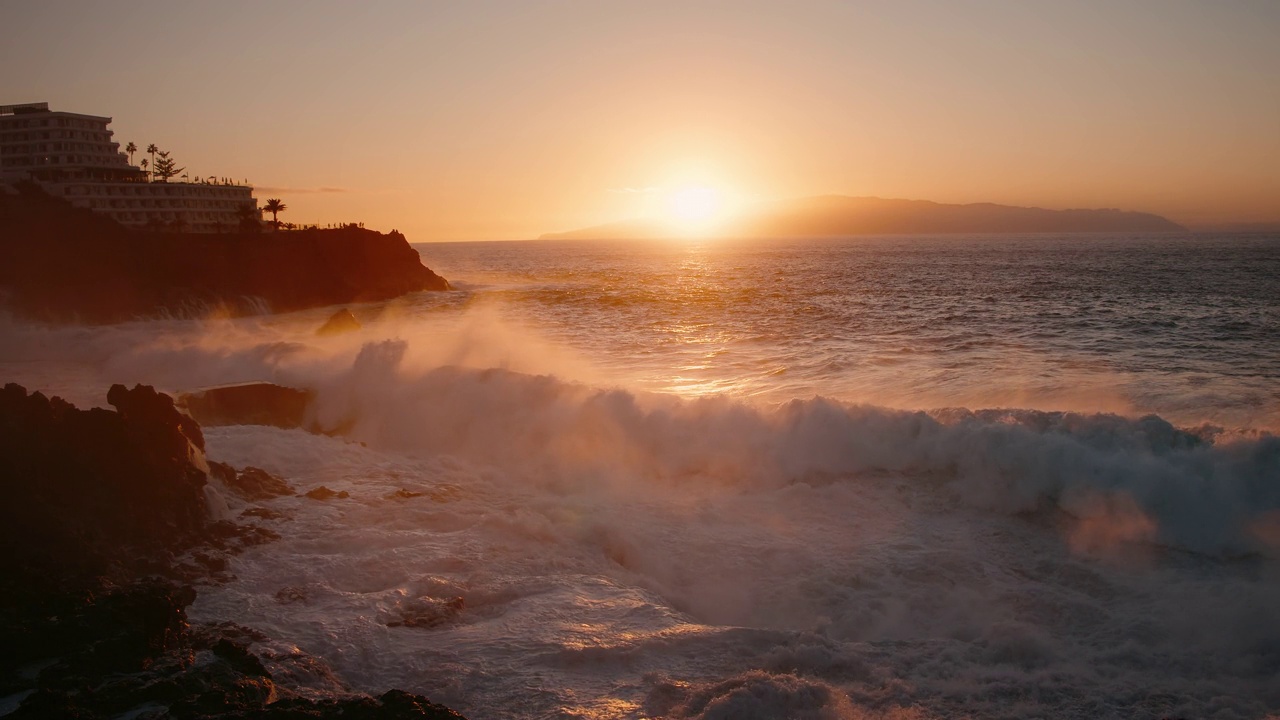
(275, 207)
(131, 149)
(153, 150)
(166, 167)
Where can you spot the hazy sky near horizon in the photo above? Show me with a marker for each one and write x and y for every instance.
(477, 120)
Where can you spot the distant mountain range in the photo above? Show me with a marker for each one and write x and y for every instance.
(836, 215)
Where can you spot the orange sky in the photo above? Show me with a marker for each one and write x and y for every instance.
(480, 120)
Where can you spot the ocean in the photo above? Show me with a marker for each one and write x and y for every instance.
(908, 477)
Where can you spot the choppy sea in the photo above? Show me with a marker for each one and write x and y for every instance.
(912, 477)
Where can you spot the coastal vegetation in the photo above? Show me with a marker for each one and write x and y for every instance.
(275, 206)
(166, 167)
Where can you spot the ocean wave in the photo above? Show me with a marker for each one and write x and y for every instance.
(1125, 479)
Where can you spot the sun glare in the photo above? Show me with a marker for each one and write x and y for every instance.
(695, 208)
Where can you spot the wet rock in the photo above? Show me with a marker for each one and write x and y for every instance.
(98, 504)
(428, 612)
(212, 675)
(289, 595)
(403, 494)
(258, 403)
(222, 472)
(257, 484)
(261, 512)
(324, 493)
(95, 492)
(154, 415)
(340, 322)
(233, 537)
(211, 562)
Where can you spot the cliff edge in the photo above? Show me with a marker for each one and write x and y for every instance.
(65, 264)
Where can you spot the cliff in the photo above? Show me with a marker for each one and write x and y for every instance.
(838, 215)
(59, 263)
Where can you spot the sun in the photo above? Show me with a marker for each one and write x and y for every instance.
(695, 208)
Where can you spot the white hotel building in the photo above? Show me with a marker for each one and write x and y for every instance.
(73, 156)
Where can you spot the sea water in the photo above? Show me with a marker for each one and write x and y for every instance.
(875, 477)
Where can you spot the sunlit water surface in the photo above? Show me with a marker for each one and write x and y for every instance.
(1184, 326)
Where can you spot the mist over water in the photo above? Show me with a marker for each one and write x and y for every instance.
(995, 477)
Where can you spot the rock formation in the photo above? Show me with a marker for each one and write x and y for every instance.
(64, 264)
(258, 403)
(340, 322)
(99, 508)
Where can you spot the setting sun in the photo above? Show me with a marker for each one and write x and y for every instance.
(695, 208)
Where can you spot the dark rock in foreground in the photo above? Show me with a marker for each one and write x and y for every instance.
(92, 600)
(133, 652)
(94, 492)
(61, 263)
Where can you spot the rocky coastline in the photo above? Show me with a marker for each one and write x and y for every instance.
(64, 264)
(114, 519)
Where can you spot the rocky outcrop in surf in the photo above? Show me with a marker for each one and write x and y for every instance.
(64, 264)
(256, 403)
(110, 518)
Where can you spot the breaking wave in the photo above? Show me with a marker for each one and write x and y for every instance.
(1127, 479)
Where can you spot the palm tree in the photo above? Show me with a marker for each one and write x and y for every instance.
(153, 150)
(131, 149)
(143, 164)
(275, 207)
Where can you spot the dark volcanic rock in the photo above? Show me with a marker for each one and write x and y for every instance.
(340, 322)
(61, 263)
(324, 493)
(258, 403)
(251, 483)
(92, 492)
(92, 622)
(428, 612)
(137, 651)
